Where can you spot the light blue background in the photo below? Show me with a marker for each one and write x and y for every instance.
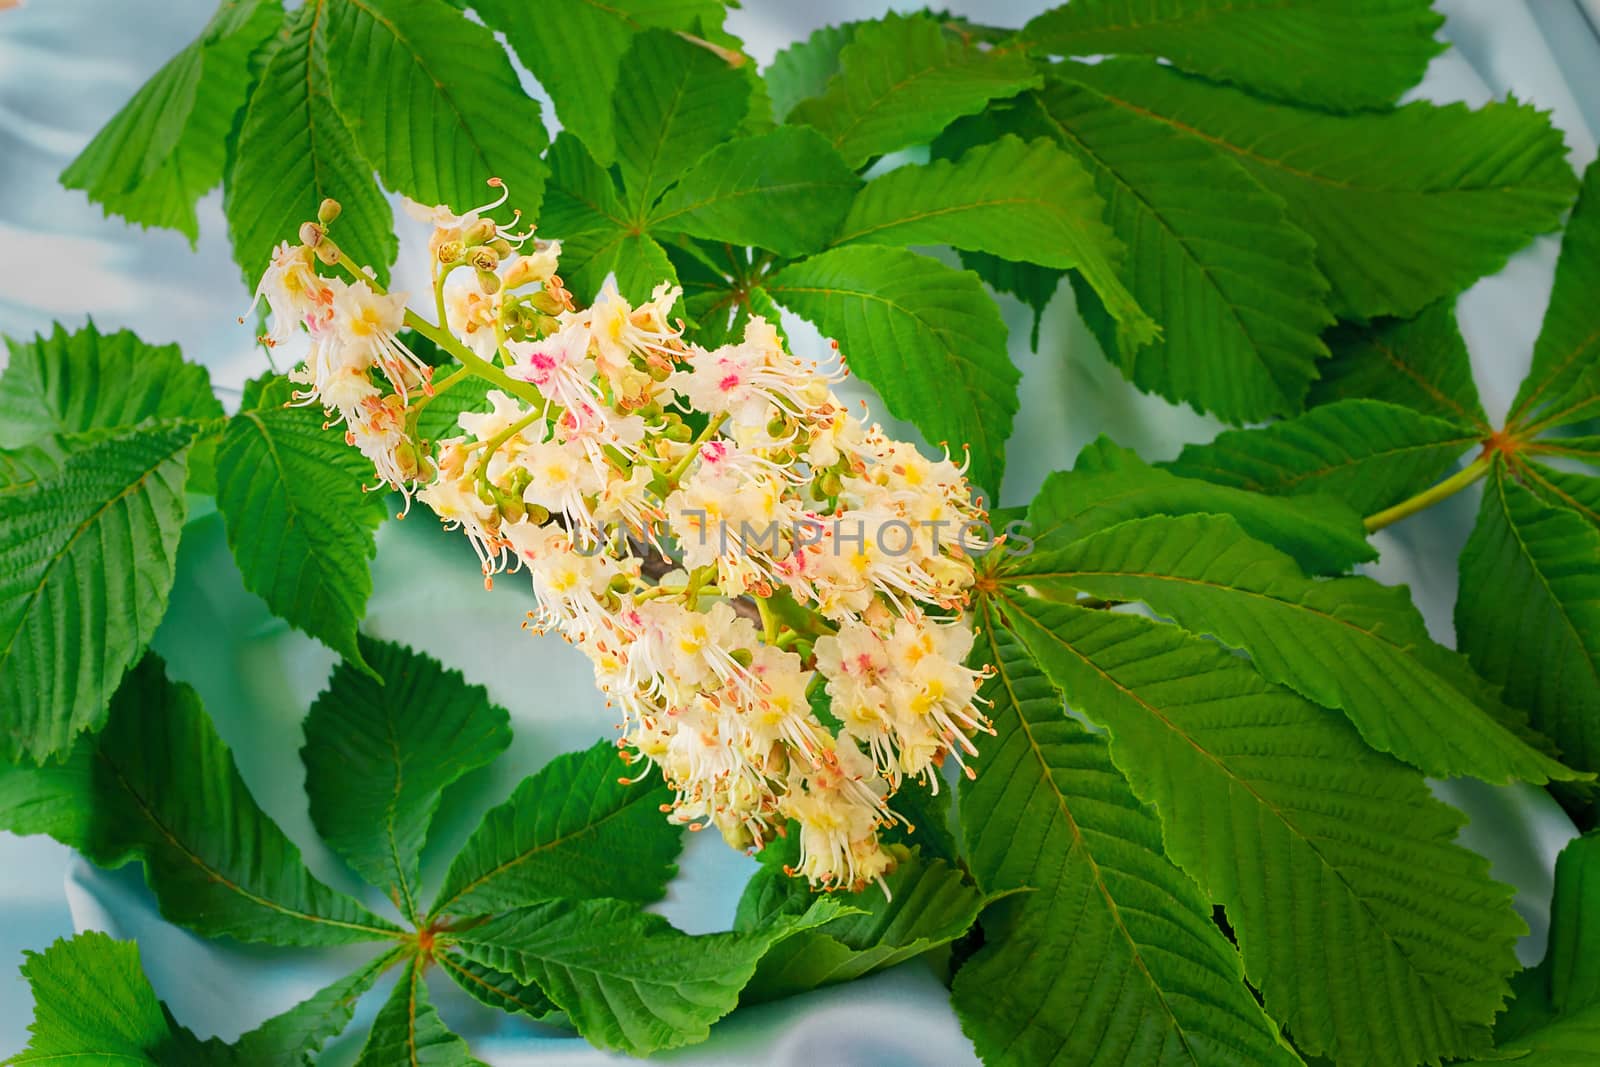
(66, 65)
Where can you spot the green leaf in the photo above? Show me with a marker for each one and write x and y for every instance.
(1034, 286)
(1555, 1020)
(1371, 935)
(636, 259)
(1350, 55)
(87, 557)
(93, 1005)
(25, 466)
(1112, 958)
(581, 197)
(674, 102)
(924, 904)
(562, 834)
(306, 1027)
(167, 147)
(1345, 643)
(1421, 363)
(379, 754)
(408, 1030)
(294, 150)
(70, 383)
(440, 418)
(902, 80)
(804, 68)
(1109, 485)
(1405, 206)
(1580, 492)
(299, 520)
(574, 48)
(158, 785)
(1368, 453)
(498, 989)
(928, 812)
(926, 337)
(627, 979)
(466, 118)
(1528, 612)
(1561, 386)
(1020, 201)
(785, 190)
(1212, 257)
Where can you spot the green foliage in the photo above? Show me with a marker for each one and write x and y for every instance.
(1105, 911)
(408, 1030)
(87, 556)
(1420, 363)
(1405, 207)
(74, 383)
(300, 520)
(167, 147)
(458, 91)
(93, 1004)
(924, 335)
(1528, 614)
(1358, 646)
(902, 80)
(294, 150)
(1368, 453)
(1355, 54)
(380, 754)
(562, 830)
(664, 991)
(1297, 829)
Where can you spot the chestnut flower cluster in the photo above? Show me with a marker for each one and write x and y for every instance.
(770, 590)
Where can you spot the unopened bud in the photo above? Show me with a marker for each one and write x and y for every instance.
(483, 258)
(538, 515)
(830, 484)
(328, 210)
(501, 246)
(311, 234)
(742, 657)
(480, 232)
(679, 433)
(621, 583)
(660, 372)
(489, 282)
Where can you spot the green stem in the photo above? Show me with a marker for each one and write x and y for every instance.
(1431, 496)
(769, 621)
(694, 448)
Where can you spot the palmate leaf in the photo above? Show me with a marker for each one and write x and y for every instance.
(1405, 206)
(785, 190)
(901, 80)
(168, 145)
(378, 757)
(408, 1030)
(561, 834)
(466, 117)
(1555, 1020)
(1371, 935)
(1368, 453)
(92, 1004)
(70, 383)
(1111, 957)
(158, 785)
(627, 979)
(926, 337)
(299, 521)
(1034, 286)
(1562, 384)
(674, 102)
(1108, 485)
(1528, 613)
(1230, 280)
(87, 557)
(1346, 643)
(575, 47)
(1020, 201)
(1420, 363)
(290, 1038)
(923, 904)
(1356, 54)
(294, 150)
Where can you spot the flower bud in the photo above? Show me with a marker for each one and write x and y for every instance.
(742, 656)
(538, 515)
(311, 234)
(489, 282)
(483, 258)
(679, 433)
(480, 232)
(502, 247)
(327, 211)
